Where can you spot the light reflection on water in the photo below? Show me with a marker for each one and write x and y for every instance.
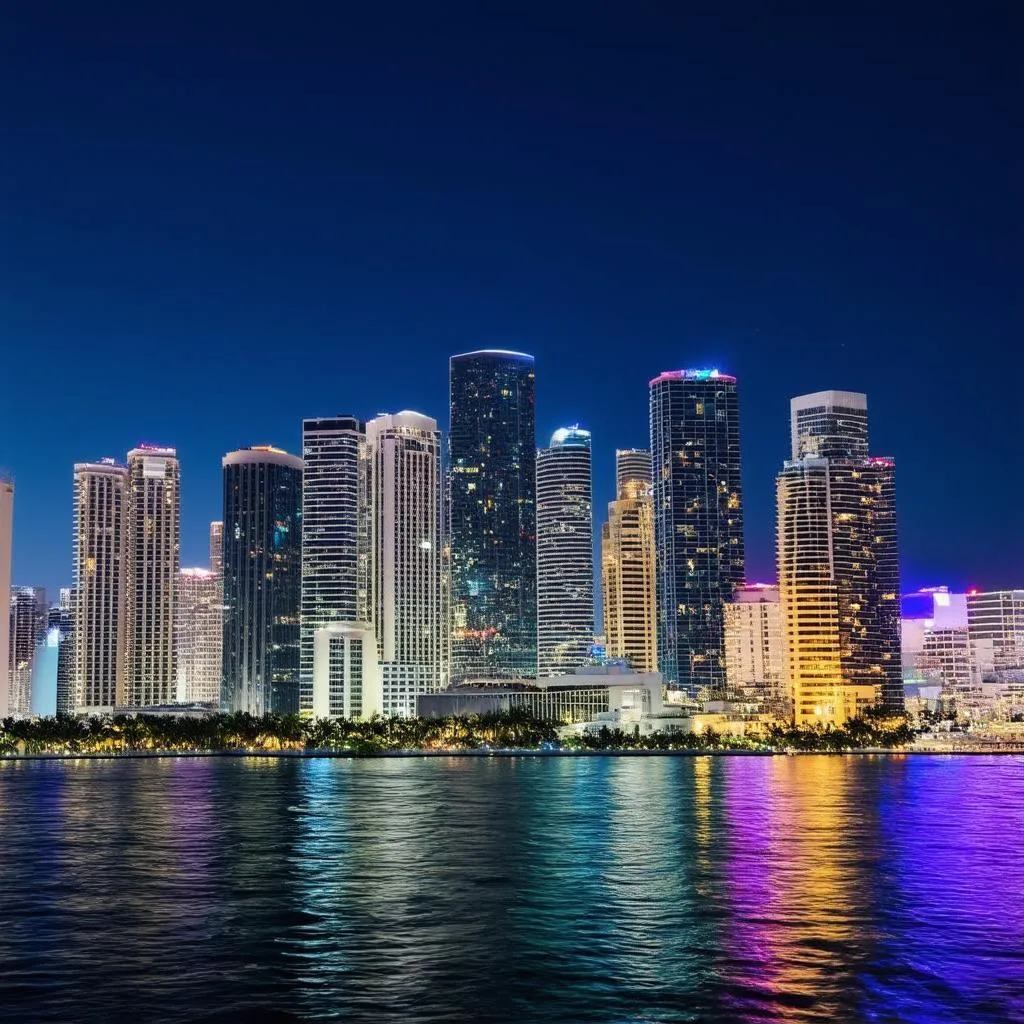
(599, 889)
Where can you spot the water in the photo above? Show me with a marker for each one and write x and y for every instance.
(555, 889)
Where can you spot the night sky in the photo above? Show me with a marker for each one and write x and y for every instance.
(218, 220)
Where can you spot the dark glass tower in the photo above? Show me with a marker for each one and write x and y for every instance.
(698, 522)
(262, 580)
(492, 461)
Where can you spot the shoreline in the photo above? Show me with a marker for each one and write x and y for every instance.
(506, 753)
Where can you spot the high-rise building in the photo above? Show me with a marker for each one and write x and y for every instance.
(199, 636)
(335, 548)
(101, 585)
(627, 565)
(65, 622)
(404, 504)
(45, 666)
(262, 580)
(995, 622)
(565, 553)
(217, 547)
(346, 672)
(6, 543)
(492, 515)
(154, 544)
(698, 522)
(838, 563)
(754, 656)
(28, 617)
(934, 646)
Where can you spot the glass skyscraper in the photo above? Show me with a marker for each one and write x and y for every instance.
(262, 580)
(565, 553)
(492, 516)
(698, 522)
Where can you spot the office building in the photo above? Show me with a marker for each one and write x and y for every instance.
(627, 565)
(154, 544)
(28, 618)
(346, 671)
(6, 547)
(335, 548)
(838, 564)
(565, 553)
(199, 636)
(262, 580)
(755, 662)
(404, 504)
(63, 617)
(217, 547)
(698, 522)
(100, 586)
(492, 515)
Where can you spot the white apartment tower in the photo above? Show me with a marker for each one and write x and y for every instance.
(99, 611)
(565, 553)
(754, 653)
(154, 537)
(198, 626)
(403, 474)
(6, 539)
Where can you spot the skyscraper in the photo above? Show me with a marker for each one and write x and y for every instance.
(217, 547)
(492, 465)
(262, 580)
(101, 584)
(335, 549)
(28, 614)
(565, 552)
(627, 565)
(838, 563)
(65, 622)
(6, 540)
(199, 636)
(154, 544)
(404, 504)
(995, 623)
(698, 521)
(755, 661)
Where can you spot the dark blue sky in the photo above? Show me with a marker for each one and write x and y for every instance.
(220, 219)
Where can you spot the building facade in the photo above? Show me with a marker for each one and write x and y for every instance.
(995, 622)
(28, 621)
(627, 566)
(199, 636)
(346, 672)
(404, 504)
(335, 548)
(100, 592)
(698, 522)
(6, 547)
(217, 547)
(262, 580)
(64, 619)
(565, 553)
(492, 515)
(754, 656)
(154, 544)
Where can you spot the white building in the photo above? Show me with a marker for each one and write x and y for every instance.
(995, 622)
(335, 549)
(755, 654)
(217, 547)
(154, 543)
(100, 590)
(346, 672)
(565, 553)
(199, 636)
(6, 542)
(404, 505)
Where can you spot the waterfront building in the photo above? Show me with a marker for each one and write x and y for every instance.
(335, 548)
(346, 671)
(199, 636)
(100, 612)
(262, 580)
(6, 546)
(217, 547)
(45, 666)
(64, 619)
(28, 621)
(627, 565)
(754, 653)
(698, 522)
(995, 621)
(492, 515)
(838, 563)
(404, 504)
(154, 544)
(565, 553)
